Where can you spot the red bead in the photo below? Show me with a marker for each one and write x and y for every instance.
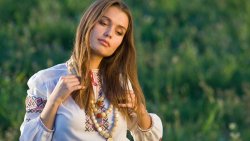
(99, 115)
(99, 103)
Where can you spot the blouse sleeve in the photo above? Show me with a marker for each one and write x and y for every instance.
(154, 133)
(32, 128)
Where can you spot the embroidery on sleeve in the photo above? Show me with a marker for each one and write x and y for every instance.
(34, 104)
(27, 119)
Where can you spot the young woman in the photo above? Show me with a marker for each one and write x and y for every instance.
(95, 95)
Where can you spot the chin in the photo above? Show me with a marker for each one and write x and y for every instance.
(107, 55)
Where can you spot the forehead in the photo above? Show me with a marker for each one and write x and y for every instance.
(117, 16)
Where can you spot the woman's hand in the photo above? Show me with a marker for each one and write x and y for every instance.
(64, 87)
(132, 105)
(131, 102)
(144, 120)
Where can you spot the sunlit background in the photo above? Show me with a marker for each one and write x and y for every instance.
(193, 61)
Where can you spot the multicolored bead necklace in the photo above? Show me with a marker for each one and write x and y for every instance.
(97, 113)
(105, 134)
(100, 103)
(94, 112)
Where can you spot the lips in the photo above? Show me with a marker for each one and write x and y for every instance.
(104, 42)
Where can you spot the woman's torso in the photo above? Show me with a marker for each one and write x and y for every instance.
(72, 123)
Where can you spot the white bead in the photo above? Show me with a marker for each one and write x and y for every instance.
(99, 129)
(97, 125)
(110, 139)
(103, 114)
(92, 101)
(106, 135)
(102, 133)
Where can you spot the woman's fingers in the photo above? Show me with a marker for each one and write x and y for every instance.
(131, 99)
(71, 78)
(127, 105)
(130, 102)
(78, 87)
(74, 85)
(131, 96)
(65, 86)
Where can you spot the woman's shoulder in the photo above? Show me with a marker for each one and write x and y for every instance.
(48, 75)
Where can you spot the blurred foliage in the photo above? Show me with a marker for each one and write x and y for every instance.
(192, 60)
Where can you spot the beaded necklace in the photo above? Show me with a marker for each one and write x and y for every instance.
(95, 105)
(96, 112)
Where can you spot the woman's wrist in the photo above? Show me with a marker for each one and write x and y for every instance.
(144, 119)
(55, 100)
(49, 112)
(143, 110)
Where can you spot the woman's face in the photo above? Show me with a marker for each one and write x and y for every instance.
(107, 34)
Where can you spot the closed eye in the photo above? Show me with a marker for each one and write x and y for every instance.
(102, 22)
(119, 33)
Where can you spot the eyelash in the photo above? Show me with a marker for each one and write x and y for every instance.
(101, 22)
(119, 33)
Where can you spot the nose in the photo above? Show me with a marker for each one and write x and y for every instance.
(108, 33)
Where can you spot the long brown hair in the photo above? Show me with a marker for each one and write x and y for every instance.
(116, 70)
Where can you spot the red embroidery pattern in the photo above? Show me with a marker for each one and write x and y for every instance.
(27, 119)
(105, 125)
(89, 126)
(34, 104)
(103, 122)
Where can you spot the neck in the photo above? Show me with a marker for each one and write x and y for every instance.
(95, 62)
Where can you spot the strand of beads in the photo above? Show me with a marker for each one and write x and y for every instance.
(97, 112)
(105, 134)
(100, 103)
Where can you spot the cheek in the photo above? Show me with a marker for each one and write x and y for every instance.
(91, 37)
(118, 42)
(92, 33)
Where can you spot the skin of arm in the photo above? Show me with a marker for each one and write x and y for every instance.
(144, 121)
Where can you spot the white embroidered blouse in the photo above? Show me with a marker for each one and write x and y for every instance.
(71, 122)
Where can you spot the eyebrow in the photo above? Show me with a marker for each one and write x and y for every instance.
(117, 25)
